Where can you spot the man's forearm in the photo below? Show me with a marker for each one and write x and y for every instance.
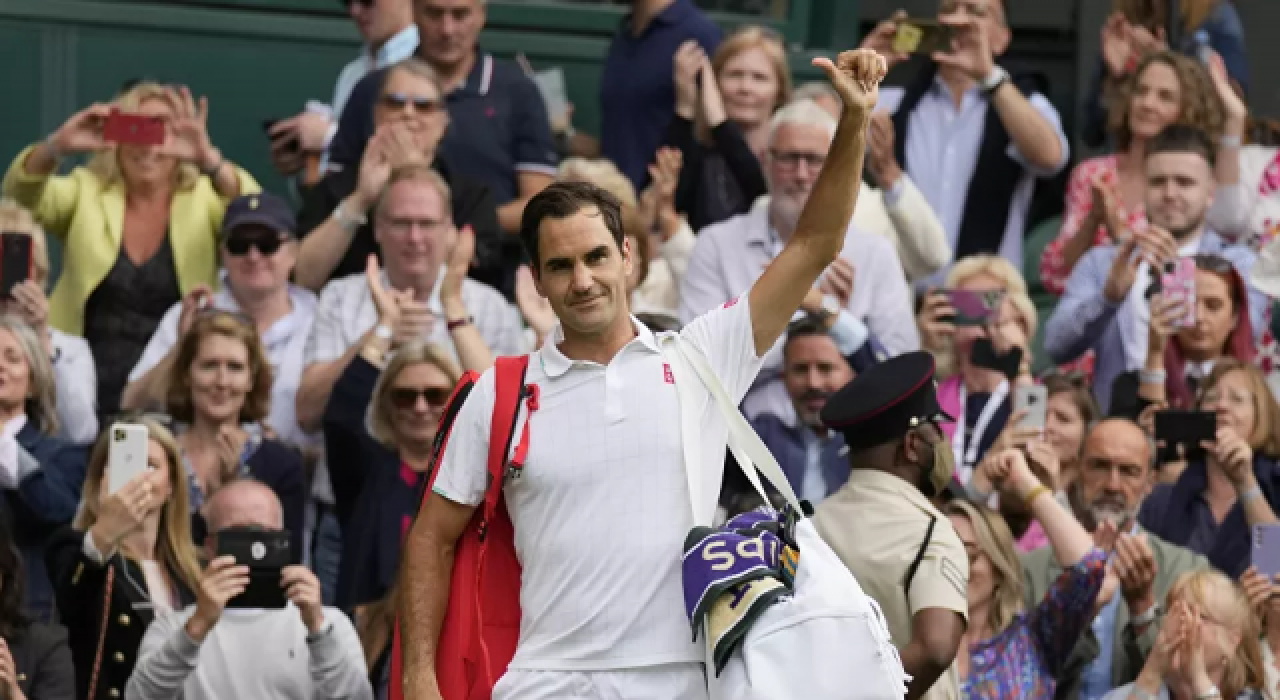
(321, 251)
(317, 384)
(163, 672)
(923, 670)
(825, 218)
(149, 389)
(424, 588)
(1033, 135)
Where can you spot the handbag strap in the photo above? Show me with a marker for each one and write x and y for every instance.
(748, 449)
(102, 631)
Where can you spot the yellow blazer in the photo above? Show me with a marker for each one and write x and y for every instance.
(88, 217)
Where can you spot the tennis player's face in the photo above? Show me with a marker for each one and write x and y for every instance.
(583, 272)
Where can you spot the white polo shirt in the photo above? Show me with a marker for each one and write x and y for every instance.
(603, 506)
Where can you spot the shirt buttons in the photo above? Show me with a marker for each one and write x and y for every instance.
(123, 620)
(119, 657)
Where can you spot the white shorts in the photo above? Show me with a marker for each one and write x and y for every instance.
(666, 682)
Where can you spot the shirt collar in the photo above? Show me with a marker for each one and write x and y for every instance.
(300, 304)
(675, 13)
(759, 231)
(397, 48)
(879, 480)
(480, 78)
(555, 364)
(14, 426)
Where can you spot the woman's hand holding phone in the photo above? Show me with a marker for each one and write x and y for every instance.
(122, 513)
(936, 320)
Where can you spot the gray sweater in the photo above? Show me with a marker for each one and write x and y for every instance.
(260, 654)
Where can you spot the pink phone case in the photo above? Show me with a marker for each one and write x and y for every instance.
(1180, 284)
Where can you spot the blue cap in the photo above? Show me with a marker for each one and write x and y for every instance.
(262, 209)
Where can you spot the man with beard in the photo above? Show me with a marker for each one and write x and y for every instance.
(883, 525)
(1106, 307)
(866, 280)
(1115, 476)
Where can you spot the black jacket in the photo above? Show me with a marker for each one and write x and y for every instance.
(43, 662)
(80, 586)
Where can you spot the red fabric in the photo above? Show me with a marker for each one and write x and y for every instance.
(482, 622)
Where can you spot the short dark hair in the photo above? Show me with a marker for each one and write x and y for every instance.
(804, 327)
(561, 200)
(1180, 138)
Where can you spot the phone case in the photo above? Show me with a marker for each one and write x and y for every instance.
(1035, 401)
(265, 553)
(1266, 549)
(1185, 428)
(974, 308)
(134, 129)
(15, 261)
(1180, 284)
(921, 37)
(126, 455)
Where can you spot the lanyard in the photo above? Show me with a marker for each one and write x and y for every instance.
(966, 458)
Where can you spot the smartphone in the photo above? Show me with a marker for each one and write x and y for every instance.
(1186, 429)
(1266, 550)
(922, 36)
(15, 261)
(1035, 401)
(983, 354)
(266, 553)
(139, 129)
(126, 455)
(1178, 281)
(974, 308)
(293, 145)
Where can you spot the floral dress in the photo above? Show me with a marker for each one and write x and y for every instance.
(1023, 660)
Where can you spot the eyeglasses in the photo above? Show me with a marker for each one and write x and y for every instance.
(396, 100)
(790, 160)
(240, 245)
(407, 397)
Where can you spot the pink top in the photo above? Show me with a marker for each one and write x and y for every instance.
(1033, 539)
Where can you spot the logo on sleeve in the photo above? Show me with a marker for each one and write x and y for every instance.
(667, 375)
(730, 303)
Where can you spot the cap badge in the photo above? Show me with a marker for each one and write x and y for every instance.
(253, 203)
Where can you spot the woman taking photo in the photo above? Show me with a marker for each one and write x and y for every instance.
(1106, 195)
(1235, 484)
(721, 125)
(1008, 652)
(1207, 646)
(127, 558)
(220, 392)
(35, 663)
(40, 475)
(138, 224)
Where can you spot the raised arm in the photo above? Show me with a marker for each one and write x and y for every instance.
(823, 223)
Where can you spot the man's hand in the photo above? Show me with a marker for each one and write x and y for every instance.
(223, 580)
(385, 300)
(838, 281)
(302, 588)
(856, 76)
(1135, 566)
(464, 250)
(881, 39)
(971, 52)
(883, 163)
(193, 303)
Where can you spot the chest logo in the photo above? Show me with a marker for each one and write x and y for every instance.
(667, 375)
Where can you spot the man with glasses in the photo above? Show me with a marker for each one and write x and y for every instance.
(1116, 475)
(866, 282)
(258, 250)
(389, 36)
(972, 137)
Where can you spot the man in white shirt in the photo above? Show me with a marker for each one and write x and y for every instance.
(730, 255)
(303, 651)
(390, 36)
(608, 491)
(259, 250)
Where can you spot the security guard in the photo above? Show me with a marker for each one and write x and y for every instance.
(882, 524)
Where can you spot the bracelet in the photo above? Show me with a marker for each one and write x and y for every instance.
(1251, 495)
(1147, 617)
(212, 173)
(1229, 141)
(458, 323)
(52, 149)
(1153, 376)
(347, 220)
(1209, 694)
(1035, 493)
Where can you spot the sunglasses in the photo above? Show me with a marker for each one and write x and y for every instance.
(266, 245)
(407, 397)
(396, 100)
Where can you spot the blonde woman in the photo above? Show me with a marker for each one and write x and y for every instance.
(75, 377)
(378, 459)
(723, 107)
(1012, 652)
(127, 558)
(979, 397)
(40, 475)
(1207, 647)
(139, 223)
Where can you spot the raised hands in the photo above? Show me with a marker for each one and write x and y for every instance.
(230, 447)
(1117, 51)
(686, 67)
(398, 310)
(82, 133)
(1106, 208)
(1135, 566)
(1166, 313)
(856, 76)
(837, 281)
(188, 131)
(934, 320)
(658, 201)
(122, 513)
(1235, 457)
(222, 580)
(1233, 107)
(460, 257)
(883, 162)
(535, 308)
(881, 38)
(970, 48)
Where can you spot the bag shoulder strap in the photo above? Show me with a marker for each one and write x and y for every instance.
(915, 564)
(102, 631)
(509, 389)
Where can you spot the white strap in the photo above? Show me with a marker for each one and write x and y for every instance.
(747, 447)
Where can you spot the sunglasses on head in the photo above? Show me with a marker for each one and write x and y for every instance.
(396, 100)
(266, 245)
(407, 397)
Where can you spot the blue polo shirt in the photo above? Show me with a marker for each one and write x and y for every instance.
(637, 91)
(498, 127)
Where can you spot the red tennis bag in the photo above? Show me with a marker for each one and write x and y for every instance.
(482, 622)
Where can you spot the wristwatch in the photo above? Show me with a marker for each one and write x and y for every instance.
(382, 332)
(997, 77)
(830, 305)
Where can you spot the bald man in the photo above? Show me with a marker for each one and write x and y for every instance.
(298, 652)
(1116, 474)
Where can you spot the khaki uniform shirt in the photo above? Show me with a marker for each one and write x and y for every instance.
(876, 523)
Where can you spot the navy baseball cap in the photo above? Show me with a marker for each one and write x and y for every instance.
(262, 209)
